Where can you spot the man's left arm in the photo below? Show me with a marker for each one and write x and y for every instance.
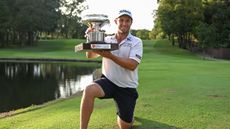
(130, 63)
(127, 63)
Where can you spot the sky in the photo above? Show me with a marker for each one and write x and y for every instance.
(142, 11)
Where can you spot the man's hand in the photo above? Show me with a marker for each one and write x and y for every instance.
(106, 54)
(90, 29)
(127, 63)
(96, 53)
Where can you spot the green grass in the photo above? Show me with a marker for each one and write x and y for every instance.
(177, 89)
(61, 49)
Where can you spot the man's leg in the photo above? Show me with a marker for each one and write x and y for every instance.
(124, 125)
(125, 99)
(87, 102)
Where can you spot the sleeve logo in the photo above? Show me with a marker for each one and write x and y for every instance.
(138, 56)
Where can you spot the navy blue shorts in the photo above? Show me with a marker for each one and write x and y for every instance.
(125, 98)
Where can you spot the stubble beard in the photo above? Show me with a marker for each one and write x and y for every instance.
(123, 32)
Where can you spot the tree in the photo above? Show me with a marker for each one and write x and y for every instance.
(216, 25)
(202, 31)
(21, 21)
(166, 16)
(70, 23)
(143, 34)
(204, 20)
(27, 17)
(157, 32)
(4, 22)
(179, 18)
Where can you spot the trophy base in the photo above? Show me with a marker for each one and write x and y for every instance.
(96, 46)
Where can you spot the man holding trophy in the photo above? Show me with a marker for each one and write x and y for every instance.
(119, 68)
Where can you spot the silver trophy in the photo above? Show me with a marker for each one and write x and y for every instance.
(95, 38)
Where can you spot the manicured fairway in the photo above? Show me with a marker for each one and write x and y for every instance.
(178, 89)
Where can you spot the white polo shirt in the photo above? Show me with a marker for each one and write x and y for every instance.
(132, 48)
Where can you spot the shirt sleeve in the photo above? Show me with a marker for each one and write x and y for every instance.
(137, 51)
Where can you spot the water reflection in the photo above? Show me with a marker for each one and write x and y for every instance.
(25, 84)
(71, 86)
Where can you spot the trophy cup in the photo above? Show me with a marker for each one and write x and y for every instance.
(95, 39)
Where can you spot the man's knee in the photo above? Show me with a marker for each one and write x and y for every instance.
(93, 90)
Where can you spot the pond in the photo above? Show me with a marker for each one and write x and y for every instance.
(25, 84)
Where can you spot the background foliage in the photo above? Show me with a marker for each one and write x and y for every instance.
(22, 22)
(206, 22)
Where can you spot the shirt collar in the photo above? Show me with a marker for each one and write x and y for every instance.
(128, 38)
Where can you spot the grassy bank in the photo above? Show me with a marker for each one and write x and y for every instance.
(61, 49)
(177, 89)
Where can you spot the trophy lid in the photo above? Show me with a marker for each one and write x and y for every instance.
(91, 18)
(95, 18)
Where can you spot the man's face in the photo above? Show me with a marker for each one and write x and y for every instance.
(123, 23)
